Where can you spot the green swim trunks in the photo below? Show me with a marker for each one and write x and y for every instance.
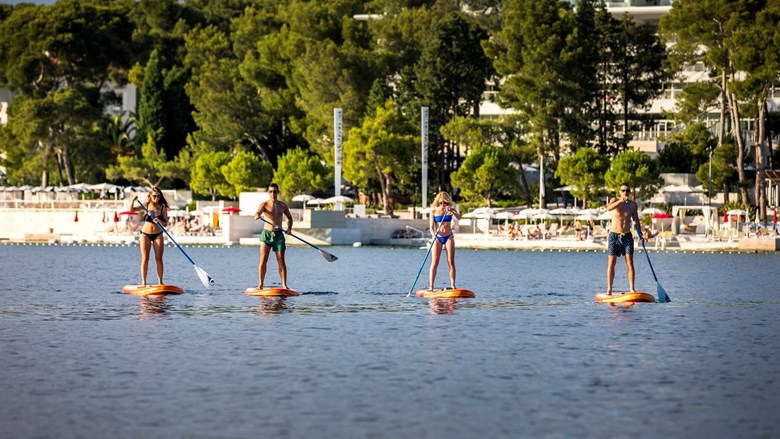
(275, 240)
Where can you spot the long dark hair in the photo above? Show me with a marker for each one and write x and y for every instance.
(160, 201)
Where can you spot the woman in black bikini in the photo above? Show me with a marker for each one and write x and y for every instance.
(151, 234)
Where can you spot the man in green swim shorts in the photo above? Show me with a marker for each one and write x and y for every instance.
(272, 236)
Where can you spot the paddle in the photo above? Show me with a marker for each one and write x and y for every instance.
(433, 241)
(204, 277)
(328, 257)
(662, 296)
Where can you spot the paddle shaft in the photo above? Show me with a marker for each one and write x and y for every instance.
(291, 233)
(662, 296)
(433, 241)
(641, 240)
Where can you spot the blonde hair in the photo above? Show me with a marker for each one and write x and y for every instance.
(442, 196)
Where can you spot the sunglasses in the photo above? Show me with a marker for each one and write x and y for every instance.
(625, 190)
(273, 191)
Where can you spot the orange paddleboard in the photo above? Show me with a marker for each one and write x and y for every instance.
(151, 290)
(271, 292)
(624, 297)
(445, 293)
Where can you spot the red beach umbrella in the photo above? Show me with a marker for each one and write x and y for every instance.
(661, 215)
(231, 209)
(116, 217)
(774, 217)
(725, 217)
(76, 219)
(104, 216)
(128, 212)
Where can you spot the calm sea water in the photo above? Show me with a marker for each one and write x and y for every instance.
(531, 356)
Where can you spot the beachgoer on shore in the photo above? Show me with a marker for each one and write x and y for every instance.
(621, 242)
(441, 219)
(272, 237)
(152, 236)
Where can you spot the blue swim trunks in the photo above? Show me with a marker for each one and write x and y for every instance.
(620, 244)
(275, 240)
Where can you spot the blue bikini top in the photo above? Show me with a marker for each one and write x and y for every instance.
(442, 218)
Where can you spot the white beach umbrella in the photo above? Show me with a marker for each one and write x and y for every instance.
(304, 198)
(651, 211)
(103, 187)
(585, 217)
(339, 199)
(484, 210)
(606, 215)
(544, 216)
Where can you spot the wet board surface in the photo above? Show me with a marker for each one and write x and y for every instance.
(151, 290)
(271, 292)
(624, 297)
(445, 293)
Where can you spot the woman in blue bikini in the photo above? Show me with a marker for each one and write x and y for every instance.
(151, 235)
(442, 212)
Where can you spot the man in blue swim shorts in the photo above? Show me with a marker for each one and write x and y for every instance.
(621, 242)
(272, 236)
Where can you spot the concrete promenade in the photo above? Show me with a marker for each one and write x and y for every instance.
(321, 228)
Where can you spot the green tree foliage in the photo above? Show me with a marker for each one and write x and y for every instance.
(119, 131)
(637, 169)
(152, 119)
(532, 53)
(686, 150)
(723, 172)
(56, 132)
(58, 58)
(151, 167)
(504, 132)
(704, 31)
(584, 171)
(485, 175)
(206, 176)
(67, 44)
(449, 78)
(245, 171)
(636, 72)
(227, 109)
(758, 58)
(382, 149)
(299, 172)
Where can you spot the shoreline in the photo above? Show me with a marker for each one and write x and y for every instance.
(464, 241)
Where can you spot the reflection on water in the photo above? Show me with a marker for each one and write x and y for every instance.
(532, 353)
(154, 306)
(273, 305)
(441, 305)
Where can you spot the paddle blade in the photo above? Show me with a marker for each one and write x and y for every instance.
(328, 257)
(662, 296)
(205, 279)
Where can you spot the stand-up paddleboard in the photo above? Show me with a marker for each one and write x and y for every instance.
(624, 297)
(271, 292)
(151, 290)
(442, 293)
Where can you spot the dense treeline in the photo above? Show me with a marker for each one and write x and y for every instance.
(234, 93)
